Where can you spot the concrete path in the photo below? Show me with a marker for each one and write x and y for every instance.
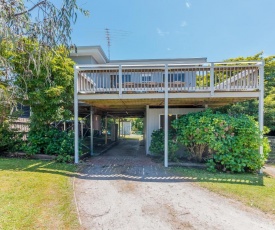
(270, 170)
(126, 190)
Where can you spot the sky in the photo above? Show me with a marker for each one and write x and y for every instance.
(151, 29)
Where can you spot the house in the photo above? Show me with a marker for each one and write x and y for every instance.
(160, 90)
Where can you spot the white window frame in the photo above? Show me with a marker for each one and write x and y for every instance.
(168, 115)
(147, 77)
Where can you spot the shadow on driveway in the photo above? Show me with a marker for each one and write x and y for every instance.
(127, 161)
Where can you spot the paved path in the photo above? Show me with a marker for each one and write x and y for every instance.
(126, 190)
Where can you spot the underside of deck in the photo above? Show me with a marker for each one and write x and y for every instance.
(133, 105)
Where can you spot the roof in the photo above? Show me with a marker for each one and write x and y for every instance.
(98, 54)
(95, 51)
(160, 61)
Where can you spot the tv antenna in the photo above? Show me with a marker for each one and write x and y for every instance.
(107, 31)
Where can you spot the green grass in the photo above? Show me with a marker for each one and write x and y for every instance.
(251, 189)
(36, 195)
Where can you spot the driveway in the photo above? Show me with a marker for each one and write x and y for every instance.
(124, 189)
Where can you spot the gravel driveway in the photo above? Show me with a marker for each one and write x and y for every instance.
(126, 190)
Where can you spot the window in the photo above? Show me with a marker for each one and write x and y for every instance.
(115, 81)
(126, 78)
(174, 77)
(171, 117)
(178, 77)
(146, 77)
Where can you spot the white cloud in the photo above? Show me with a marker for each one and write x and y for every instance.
(187, 4)
(162, 33)
(183, 24)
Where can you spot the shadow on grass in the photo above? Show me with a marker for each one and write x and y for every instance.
(40, 166)
(148, 173)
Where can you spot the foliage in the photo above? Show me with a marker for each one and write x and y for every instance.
(49, 91)
(157, 144)
(233, 141)
(53, 142)
(137, 124)
(269, 106)
(45, 26)
(10, 139)
(195, 132)
(251, 107)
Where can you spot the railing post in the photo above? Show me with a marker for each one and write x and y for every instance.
(91, 131)
(261, 105)
(76, 150)
(166, 117)
(120, 80)
(212, 79)
(147, 144)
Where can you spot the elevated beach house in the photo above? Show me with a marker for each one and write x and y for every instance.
(159, 90)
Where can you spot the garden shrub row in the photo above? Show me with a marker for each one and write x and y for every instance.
(228, 143)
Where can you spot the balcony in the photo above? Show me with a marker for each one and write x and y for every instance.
(181, 78)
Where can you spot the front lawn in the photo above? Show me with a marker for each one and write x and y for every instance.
(251, 189)
(36, 195)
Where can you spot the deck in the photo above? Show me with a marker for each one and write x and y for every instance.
(112, 87)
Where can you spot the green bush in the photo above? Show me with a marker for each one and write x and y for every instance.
(157, 144)
(194, 131)
(232, 142)
(10, 139)
(51, 141)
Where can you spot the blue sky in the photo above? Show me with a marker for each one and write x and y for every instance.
(144, 29)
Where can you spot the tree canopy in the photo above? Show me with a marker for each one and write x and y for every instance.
(251, 107)
(33, 31)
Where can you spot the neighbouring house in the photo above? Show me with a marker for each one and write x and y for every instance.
(159, 90)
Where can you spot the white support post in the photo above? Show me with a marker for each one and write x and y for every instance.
(76, 133)
(120, 80)
(212, 79)
(147, 143)
(166, 117)
(119, 128)
(106, 133)
(261, 105)
(91, 132)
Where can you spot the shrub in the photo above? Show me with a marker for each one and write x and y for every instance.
(53, 142)
(232, 142)
(10, 139)
(194, 131)
(157, 144)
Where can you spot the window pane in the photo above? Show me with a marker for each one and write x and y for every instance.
(126, 78)
(170, 119)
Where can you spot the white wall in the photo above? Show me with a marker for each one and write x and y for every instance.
(83, 60)
(154, 119)
(125, 128)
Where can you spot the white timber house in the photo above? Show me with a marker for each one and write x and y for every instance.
(159, 90)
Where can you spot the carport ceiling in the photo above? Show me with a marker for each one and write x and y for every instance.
(136, 108)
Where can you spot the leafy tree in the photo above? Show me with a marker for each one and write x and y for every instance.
(34, 40)
(137, 124)
(45, 24)
(47, 89)
(251, 107)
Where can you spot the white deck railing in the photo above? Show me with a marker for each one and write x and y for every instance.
(222, 76)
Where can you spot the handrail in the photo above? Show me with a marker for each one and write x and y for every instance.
(208, 76)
